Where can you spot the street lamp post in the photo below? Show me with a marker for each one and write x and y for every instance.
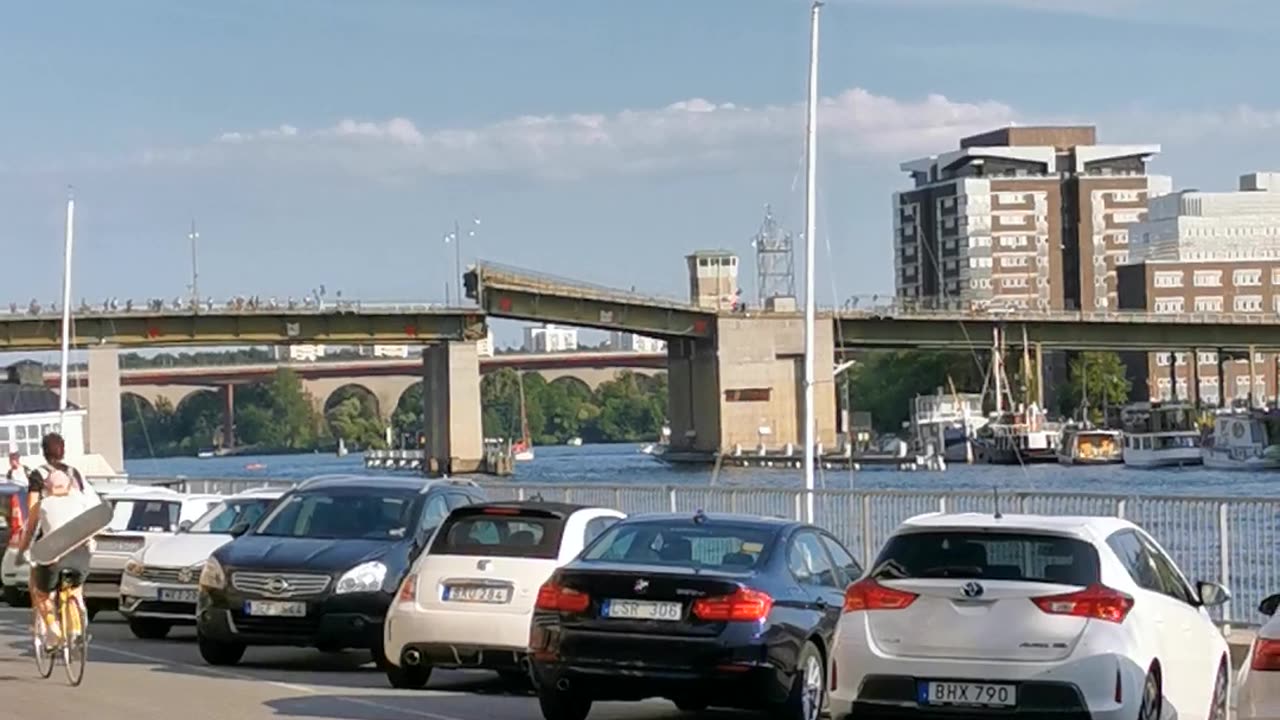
(455, 237)
(193, 236)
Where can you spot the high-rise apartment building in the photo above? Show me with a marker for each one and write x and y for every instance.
(631, 342)
(1023, 217)
(550, 339)
(1207, 253)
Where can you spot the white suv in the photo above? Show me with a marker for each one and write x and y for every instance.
(159, 587)
(468, 600)
(1027, 615)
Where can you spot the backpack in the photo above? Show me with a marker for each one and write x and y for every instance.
(47, 472)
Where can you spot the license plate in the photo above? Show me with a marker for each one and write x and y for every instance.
(178, 596)
(968, 693)
(642, 610)
(117, 545)
(262, 608)
(477, 594)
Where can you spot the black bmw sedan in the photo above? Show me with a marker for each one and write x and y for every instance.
(321, 567)
(705, 610)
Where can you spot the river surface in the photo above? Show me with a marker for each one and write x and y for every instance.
(626, 465)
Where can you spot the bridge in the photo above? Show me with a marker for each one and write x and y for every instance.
(385, 380)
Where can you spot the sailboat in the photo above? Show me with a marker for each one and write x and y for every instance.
(522, 449)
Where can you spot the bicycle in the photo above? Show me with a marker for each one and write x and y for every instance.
(74, 622)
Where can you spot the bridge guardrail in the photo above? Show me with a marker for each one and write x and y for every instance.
(1235, 541)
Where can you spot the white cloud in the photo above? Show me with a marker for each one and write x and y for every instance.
(684, 136)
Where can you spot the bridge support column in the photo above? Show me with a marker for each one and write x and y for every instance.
(451, 409)
(1193, 376)
(1222, 380)
(228, 416)
(1253, 376)
(105, 437)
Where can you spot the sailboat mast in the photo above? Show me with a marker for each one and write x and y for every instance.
(810, 233)
(66, 310)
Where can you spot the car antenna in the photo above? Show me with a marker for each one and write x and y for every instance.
(995, 491)
(699, 516)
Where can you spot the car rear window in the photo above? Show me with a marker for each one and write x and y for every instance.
(504, 533)
(1030, 557)
(145, 515)
(731, 546)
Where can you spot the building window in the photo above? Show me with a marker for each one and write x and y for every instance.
(1208, 278)
(1168, 279)
(1275, 276)
(1208, 358)
(1248, 303)
(1210, 304)
(1013, 241)
(1168, 306)
(747, 395)
(1127, 217)
(1013, 261)
(1014, 282)
(1247, 278)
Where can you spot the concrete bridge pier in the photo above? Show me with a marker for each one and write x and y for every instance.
(744, 386)
(105, 436)
(451, 409)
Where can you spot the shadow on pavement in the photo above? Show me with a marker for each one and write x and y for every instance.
(386, 707)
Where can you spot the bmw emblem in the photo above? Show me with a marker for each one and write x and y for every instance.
(972, 590)
(277, 585)
(642, 585)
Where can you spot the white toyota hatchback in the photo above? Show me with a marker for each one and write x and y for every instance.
(1023, 615)
(1259, 679)
(468, 600)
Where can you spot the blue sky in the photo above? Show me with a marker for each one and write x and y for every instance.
(327, 141)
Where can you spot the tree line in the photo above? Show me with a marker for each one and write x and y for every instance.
(279, 415)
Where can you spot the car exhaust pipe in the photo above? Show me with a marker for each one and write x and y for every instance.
(562, 685)
(412, 656)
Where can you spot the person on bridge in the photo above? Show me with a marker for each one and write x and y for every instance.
(57, 494)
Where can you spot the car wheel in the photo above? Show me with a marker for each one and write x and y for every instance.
(690, 705)
(1152, 702)
(217, 652)
(808, 688)
(1221, 693)
(563, 705)
(149, 628)
(408, 677)
(15, 597)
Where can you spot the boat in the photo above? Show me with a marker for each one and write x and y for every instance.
(1017, 438)
(946, 423)
(522, 449)
(1086, 445)
(574, 442)
(1160, 434)
(205, 454)
(1243, 440)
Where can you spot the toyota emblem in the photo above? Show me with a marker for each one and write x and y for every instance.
(277, 585)
(642, 585)
(972, 590)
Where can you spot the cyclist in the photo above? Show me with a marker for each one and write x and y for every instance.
(60, 494)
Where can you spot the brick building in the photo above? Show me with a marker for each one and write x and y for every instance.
(1024, 217)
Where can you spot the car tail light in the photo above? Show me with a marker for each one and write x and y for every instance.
(15, 520)
(408, 589)
(1266, 655)
(1096, 602)
(557, 598)
(500, 511)
(743, 605)
(867, 594)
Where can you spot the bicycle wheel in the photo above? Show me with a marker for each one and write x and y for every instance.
(75, 637)
(44, 658)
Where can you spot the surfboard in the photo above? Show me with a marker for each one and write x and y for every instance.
(50, 548)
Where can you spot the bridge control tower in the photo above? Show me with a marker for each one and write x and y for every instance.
(713, 279)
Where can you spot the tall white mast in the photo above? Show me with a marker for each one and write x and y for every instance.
(810, 233)
(66, 309)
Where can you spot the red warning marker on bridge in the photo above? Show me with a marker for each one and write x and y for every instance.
(153, 332)
(504, 304)
(411, 331)
(700, 325)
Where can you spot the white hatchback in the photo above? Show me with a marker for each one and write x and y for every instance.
(1022, 615)
(468, 600)
(1258, 697)
(159, 587)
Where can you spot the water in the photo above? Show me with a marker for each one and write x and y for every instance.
(625, 465)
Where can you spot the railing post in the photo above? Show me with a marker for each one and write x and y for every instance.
(1224, 556)
(799, 506)
(617, 498)
(867, 550)
(671, 495)
(733, 500)
(942, 503)
(1120, 508)
(520, 493)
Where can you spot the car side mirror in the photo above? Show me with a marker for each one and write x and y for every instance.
(238, 529)
(1269, 605)
(1212, 594)
(185, 526)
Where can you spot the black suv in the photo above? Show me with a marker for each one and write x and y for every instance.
(322, 567)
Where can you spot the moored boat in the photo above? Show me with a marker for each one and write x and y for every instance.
(1090, 446)
(1243, 440)
(1158, 434)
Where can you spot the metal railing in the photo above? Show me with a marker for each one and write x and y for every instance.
(239, 306)
(1234, 541)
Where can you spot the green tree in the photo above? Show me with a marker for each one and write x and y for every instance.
(407, 418)
(352, 415)
(885, 383)
(1098, 380)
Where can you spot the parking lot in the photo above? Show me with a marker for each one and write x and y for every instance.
(166, 680)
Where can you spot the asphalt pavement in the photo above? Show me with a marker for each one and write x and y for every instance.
(131, 679)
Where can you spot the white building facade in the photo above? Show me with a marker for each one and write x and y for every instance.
(550, 339)
(630, 342)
